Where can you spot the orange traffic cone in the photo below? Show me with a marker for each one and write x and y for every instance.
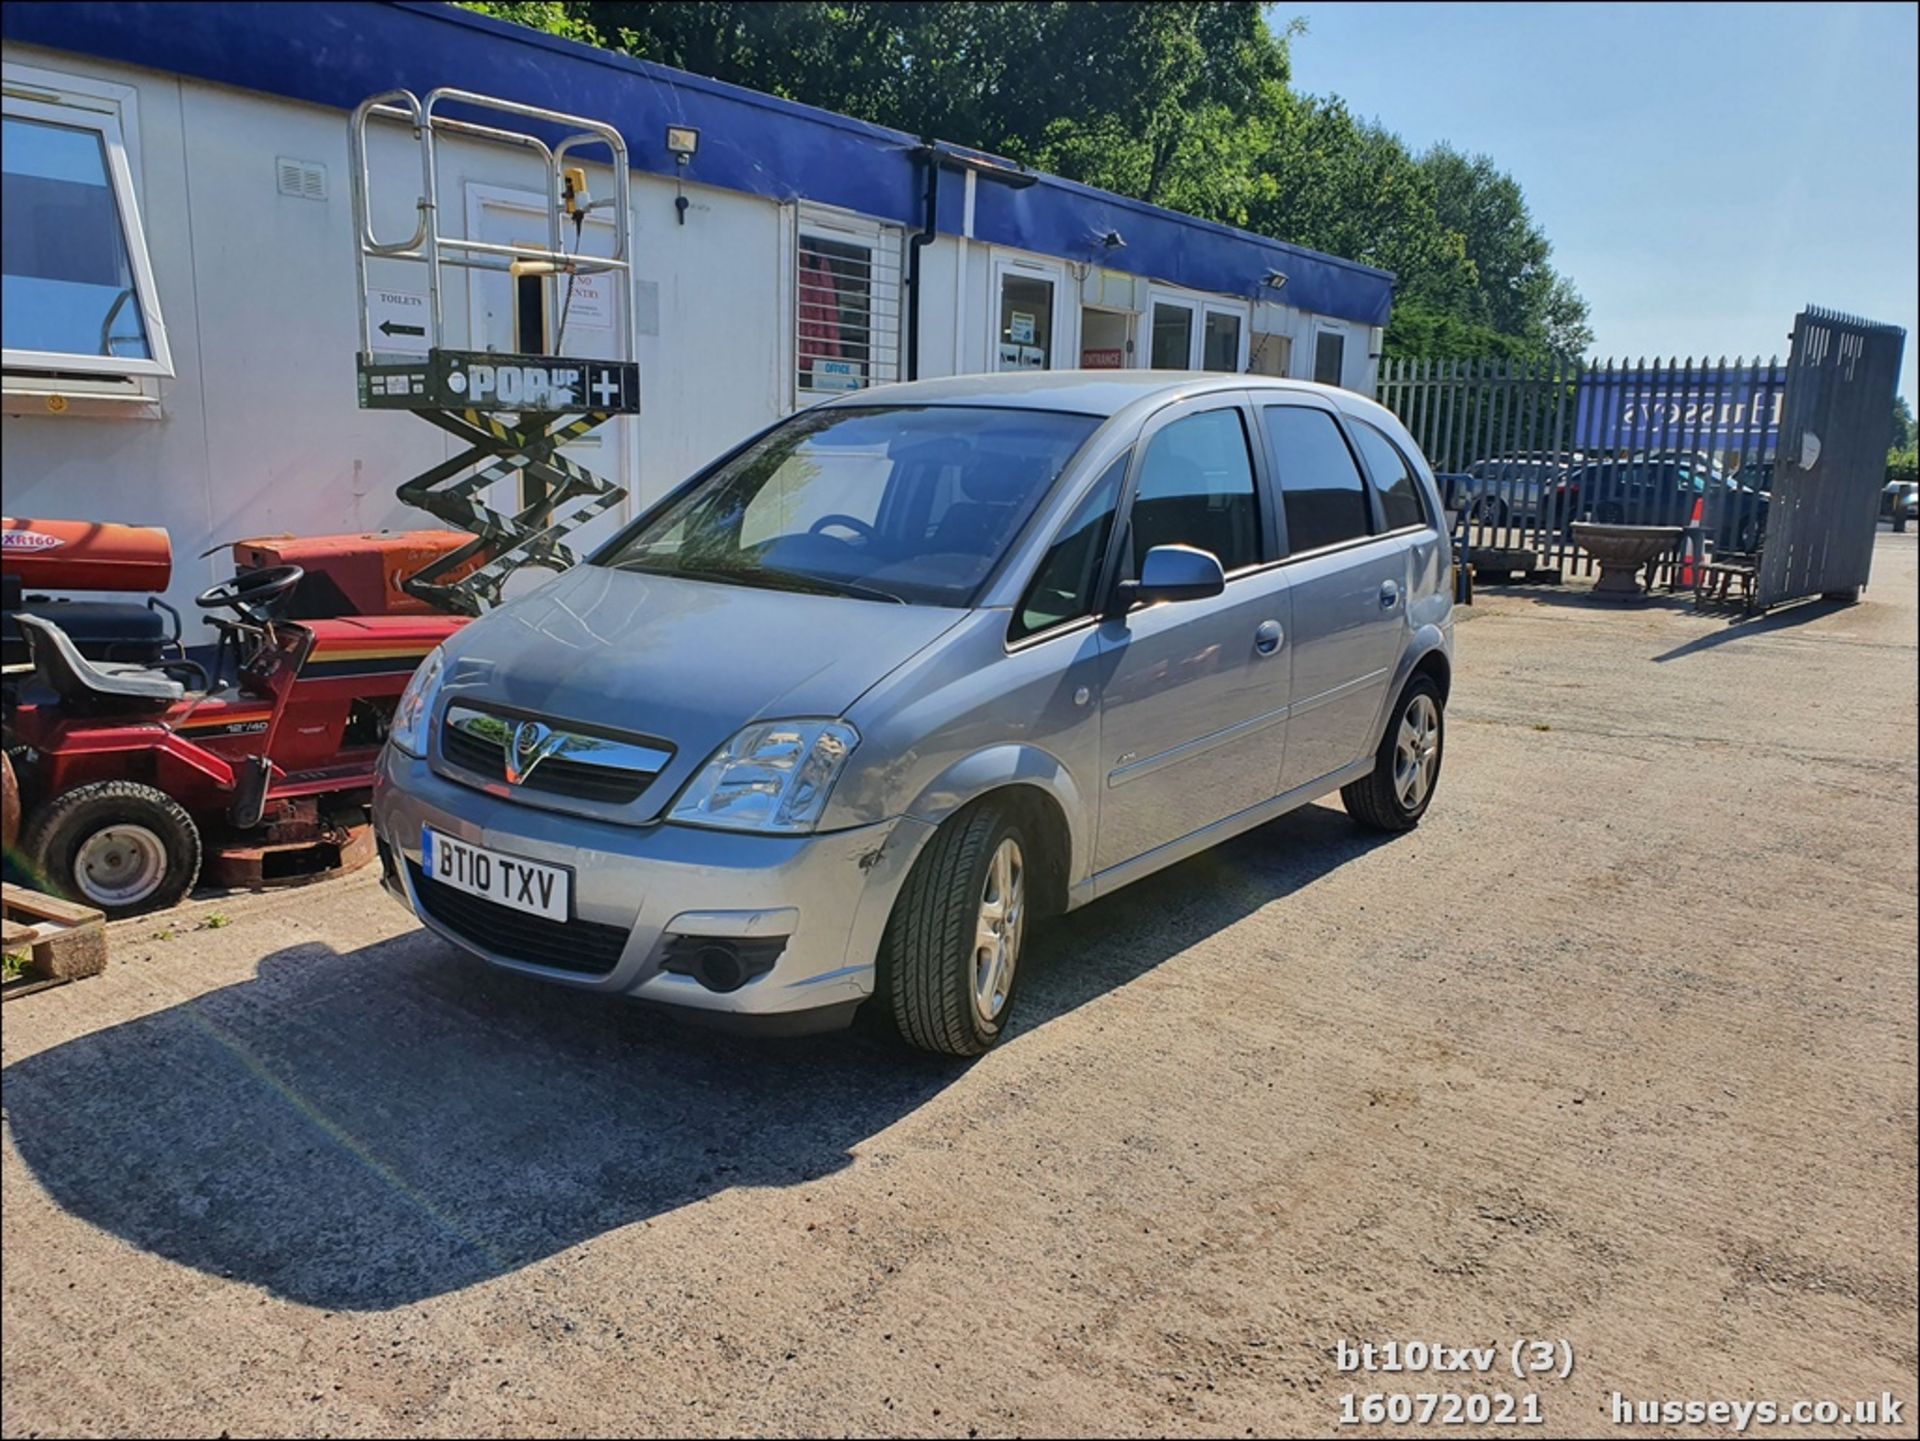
(1695, 543)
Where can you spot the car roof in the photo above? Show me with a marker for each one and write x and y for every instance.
(1086, 392)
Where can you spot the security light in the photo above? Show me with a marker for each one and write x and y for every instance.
(1113, 240)
(1276, 278)
(682, 142)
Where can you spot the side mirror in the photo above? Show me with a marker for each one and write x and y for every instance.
(1171, 572)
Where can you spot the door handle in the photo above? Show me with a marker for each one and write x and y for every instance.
(1389, 595)
(1268, 637)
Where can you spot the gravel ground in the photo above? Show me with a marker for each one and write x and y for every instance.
(1618, 1049)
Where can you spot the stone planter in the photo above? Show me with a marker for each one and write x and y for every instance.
(1621, 551)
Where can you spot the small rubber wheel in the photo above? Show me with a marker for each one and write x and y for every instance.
(1406, 769)
(120, 846)
(951, 955)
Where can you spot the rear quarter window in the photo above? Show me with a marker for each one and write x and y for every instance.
(1393, 477)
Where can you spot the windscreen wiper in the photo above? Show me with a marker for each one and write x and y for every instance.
(763, 579)
(825, 585)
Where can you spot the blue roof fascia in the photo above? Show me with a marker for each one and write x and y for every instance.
(336, 54)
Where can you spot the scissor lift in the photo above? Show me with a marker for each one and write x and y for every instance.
(514, 411)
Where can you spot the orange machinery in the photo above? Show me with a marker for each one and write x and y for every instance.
(85, 555)
(354, 574)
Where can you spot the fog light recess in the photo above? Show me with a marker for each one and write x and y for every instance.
(722, 963)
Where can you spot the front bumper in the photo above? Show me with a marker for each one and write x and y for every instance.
(829, 894)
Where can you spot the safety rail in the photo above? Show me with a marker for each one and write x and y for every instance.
(429, 246)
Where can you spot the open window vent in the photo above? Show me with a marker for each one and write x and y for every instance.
(302, 179)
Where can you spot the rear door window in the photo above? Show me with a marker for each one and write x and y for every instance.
(1322, 494)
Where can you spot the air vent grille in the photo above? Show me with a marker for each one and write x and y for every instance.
(302, 179)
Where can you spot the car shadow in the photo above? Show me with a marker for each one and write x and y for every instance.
(367, 1130)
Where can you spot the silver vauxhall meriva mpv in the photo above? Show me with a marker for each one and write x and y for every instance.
(839, 718)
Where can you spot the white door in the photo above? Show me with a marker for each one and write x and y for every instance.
(1329, 355)
(1193, 332)
(1033, 325)
(567, 315)
(1224, 333)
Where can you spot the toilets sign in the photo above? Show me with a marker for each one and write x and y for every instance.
(1717, 409)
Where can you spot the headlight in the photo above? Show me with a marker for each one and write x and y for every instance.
(408, 730)
(773, 776)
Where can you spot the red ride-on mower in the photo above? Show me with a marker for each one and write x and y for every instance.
(129, 773)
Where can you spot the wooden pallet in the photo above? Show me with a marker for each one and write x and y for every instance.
(66, 941)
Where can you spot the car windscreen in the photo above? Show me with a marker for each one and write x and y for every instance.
(892, 503)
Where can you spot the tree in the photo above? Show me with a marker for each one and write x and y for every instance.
(1903, 427)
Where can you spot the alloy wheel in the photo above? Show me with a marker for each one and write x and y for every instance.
(998, 929)
(1416, 751)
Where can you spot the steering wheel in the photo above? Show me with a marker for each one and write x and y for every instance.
(254, 595)
(850, 522)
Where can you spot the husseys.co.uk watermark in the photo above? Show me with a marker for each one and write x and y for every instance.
(1886, 1409)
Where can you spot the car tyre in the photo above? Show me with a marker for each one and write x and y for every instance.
(1406, 769)
(950, 957)
(119, 846)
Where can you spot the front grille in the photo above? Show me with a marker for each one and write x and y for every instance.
(561, 775)
(586, 948)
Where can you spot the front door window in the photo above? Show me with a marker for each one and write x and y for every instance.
(1026, 323)
(1196, 488)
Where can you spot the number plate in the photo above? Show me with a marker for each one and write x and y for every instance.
(510, 881)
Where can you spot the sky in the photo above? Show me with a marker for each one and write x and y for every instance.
(1703, 170)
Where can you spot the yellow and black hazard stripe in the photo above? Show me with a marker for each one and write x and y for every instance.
(332, 663)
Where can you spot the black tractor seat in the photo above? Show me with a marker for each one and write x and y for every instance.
(111, 630)
(93, 686)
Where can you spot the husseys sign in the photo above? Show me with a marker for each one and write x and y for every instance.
(1718, 409)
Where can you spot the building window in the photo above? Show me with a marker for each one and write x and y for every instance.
(847, 307)
(79, 296)
(1222, 347)
(1172, 347)
(1329, 357)
(1272, 354)
(1026, 323)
